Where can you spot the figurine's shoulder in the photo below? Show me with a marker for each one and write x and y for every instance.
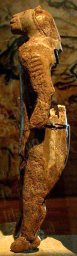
(27, 50)
(35, 46)
(23, 50)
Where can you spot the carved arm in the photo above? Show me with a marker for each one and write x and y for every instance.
(40, 78)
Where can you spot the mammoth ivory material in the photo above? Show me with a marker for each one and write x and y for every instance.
(43, 147)
(55, 145)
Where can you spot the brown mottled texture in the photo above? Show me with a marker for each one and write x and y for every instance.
(42, 148)
(9, 130)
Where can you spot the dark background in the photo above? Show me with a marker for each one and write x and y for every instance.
(64, 79)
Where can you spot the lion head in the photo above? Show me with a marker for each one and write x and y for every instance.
(34, 22)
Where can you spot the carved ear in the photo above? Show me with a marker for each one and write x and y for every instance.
(38, 9)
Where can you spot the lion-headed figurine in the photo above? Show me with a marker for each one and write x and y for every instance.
(44, 160)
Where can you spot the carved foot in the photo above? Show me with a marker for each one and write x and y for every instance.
(21, 244)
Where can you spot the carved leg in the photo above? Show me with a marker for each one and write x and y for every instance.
(33, 215)
(34, 191)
